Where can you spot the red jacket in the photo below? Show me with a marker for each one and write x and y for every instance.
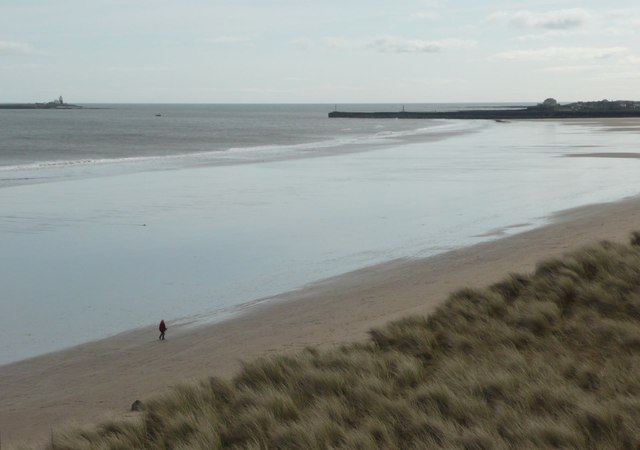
(162, 327)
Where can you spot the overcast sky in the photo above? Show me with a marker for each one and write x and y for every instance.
(328, 51)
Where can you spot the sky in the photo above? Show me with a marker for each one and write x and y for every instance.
(329, 51)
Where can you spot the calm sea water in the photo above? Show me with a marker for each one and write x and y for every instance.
(44, 138)
(114, 218)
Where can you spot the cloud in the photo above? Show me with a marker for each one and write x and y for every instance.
(17, 48)
(562, 53)
(631, 60)
(622, 13)
(390, 44)
(572, 68)
(624, 65)
(621, 22)
(618, 74)
(393, 44)
(554, 20)
(551, 35)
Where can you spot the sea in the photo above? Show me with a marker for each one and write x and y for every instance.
(115, 216)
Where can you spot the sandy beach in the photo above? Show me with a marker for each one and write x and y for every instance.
(83, 384)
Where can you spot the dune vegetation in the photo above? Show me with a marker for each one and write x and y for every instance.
(549, 359)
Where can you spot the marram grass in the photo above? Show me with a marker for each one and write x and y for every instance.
(544, 360)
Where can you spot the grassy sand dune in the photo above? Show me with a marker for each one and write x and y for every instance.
(542, 360)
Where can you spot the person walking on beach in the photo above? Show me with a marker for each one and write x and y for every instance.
(162, 329)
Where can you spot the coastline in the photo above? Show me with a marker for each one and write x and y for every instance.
(101, 379)
(548, 109)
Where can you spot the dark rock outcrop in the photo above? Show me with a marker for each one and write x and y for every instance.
(137, 406)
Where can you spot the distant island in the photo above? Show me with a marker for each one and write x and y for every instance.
(54, 104)
(548, 109)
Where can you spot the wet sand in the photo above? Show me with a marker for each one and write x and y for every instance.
(83, 384)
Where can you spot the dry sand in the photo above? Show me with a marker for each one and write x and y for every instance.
(100, 379)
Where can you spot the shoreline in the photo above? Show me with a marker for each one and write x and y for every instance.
(101, 379)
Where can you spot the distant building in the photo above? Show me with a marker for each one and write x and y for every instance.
(601, 105)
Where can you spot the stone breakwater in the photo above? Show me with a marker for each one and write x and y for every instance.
(498, 114)
(50, 105)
